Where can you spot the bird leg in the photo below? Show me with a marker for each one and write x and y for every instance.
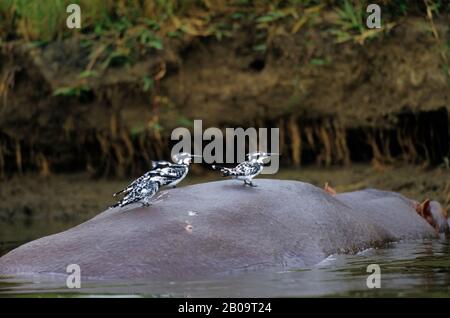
(250, 183)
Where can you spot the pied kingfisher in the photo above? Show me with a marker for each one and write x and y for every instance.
(141, 191)
(174, 172)
(246, 170)
(162, 172)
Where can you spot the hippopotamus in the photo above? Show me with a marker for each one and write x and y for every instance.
(219, 228)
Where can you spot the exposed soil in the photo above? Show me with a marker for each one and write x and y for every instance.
(384, 101)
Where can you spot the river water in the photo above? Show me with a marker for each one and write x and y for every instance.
(407, 269)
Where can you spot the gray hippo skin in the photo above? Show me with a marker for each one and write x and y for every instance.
(218, 228)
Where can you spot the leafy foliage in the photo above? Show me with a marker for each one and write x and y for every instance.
(75, 91)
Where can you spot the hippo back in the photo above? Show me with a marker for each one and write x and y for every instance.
(218, 228)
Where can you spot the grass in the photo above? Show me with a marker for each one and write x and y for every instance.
(129, 28)
(351, 23)
(351, 16)
(44, 20)
(33, 19)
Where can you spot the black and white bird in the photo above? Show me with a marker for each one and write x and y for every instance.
(142, 191)
(145, 178)
(163, 173)
(246, 170)
(174, 172)
(160, 164)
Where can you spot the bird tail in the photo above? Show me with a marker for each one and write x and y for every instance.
(119, 192)
(115, 205)
(225, 171)
(126, 190)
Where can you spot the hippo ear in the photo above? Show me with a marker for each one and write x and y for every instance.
(445, 213)
(424, 209)
(328, 189)
(447, 228)
(448, 222)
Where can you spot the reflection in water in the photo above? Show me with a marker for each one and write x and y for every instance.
(14, 233)
(413, 268)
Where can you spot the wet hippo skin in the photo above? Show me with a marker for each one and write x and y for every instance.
(218, 228)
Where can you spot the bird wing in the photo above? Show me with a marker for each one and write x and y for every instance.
(245, 169)
(160, 164)
(172, 173)
(169, 172)
(139, 180)
(145, 189)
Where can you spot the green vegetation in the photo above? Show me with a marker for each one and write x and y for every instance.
(130, 28)
(351, 18)
(116, 34)
(147, 83)
(320, 62)
(44, 20)
(75, 91)
(86, 74)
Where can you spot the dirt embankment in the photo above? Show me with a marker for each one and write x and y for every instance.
(62, 109)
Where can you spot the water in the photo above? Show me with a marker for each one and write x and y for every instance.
(408, 269)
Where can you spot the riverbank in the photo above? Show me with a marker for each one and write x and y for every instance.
(106, 102)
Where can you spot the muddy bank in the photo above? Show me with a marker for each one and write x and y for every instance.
(73, 105)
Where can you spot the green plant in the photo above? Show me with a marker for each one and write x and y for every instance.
(41, 20)
(260, 48)
(152, 24)
(72, 91)
(271, 17)
(351, 23)
(148, 39)
(320, 62)
(351, 17)
(117, 57)
(147, 83)
(86, 74)
(185, 122)
(175, 34)
(137, 130)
